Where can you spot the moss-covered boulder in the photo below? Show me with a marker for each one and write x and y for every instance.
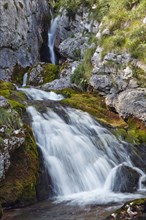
(42, 73)
(18, 152)
(18, 187)
(93, 104)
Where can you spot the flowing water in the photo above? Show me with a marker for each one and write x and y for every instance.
(25, 77)
(82, 159)
(51, 39)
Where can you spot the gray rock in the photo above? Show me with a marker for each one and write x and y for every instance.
(3, 102)
(73, 34)
(35, 77)
(21, 25)
(9, 145)
(101, 82)
(129, 102)
(74, 48)
(126, 179)
(64, 81)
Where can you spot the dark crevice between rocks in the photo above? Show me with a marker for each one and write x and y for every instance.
(44, 186)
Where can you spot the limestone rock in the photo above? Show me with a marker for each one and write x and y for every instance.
(73, 48)
(21, 27)
(73, 33)
(129, 102)
(101, 82)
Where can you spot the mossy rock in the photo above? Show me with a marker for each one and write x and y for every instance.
(50, 72)
(15, 98)
(95, 105)
(6, 85)
(137, 205)
(135, 132)
(18, 188)
(18, 74)
(42, 73)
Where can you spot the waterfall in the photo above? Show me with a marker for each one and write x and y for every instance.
(25, 77)
(51, 38)
(81, 156)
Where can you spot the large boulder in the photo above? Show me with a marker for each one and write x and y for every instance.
(129, 102)
(126, 179)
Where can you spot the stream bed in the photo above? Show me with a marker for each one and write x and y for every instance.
(47, 210)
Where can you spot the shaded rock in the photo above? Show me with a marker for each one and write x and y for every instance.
(126, 179)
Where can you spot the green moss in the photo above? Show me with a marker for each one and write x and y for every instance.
(95, 105)
(82, 73)
(67, 93)
(9, 118)
(17, 106)
(5, 93)
(18, 74)
(6, 85)
(136, 205)
(15, 98)
(140, 75)
(134, 133)
(19, 186)
(50, 72)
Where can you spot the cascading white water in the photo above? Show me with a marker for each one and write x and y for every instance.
(51, 39)
(37, 94)
(81, 156)
(25, 77)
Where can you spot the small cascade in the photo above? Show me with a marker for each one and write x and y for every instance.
(51, 37)
(37, 94)
(82, 157)
(25, 77)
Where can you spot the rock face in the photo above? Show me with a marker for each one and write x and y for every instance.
(21, 28)
(73, 33)
(114, 78)
(129, 102)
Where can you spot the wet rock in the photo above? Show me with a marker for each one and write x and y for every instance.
(126, 180)
(21, 25)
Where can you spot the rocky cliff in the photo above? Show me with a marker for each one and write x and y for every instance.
(108, 42)
(21, 27)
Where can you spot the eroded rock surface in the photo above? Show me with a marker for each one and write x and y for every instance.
(21, 28)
